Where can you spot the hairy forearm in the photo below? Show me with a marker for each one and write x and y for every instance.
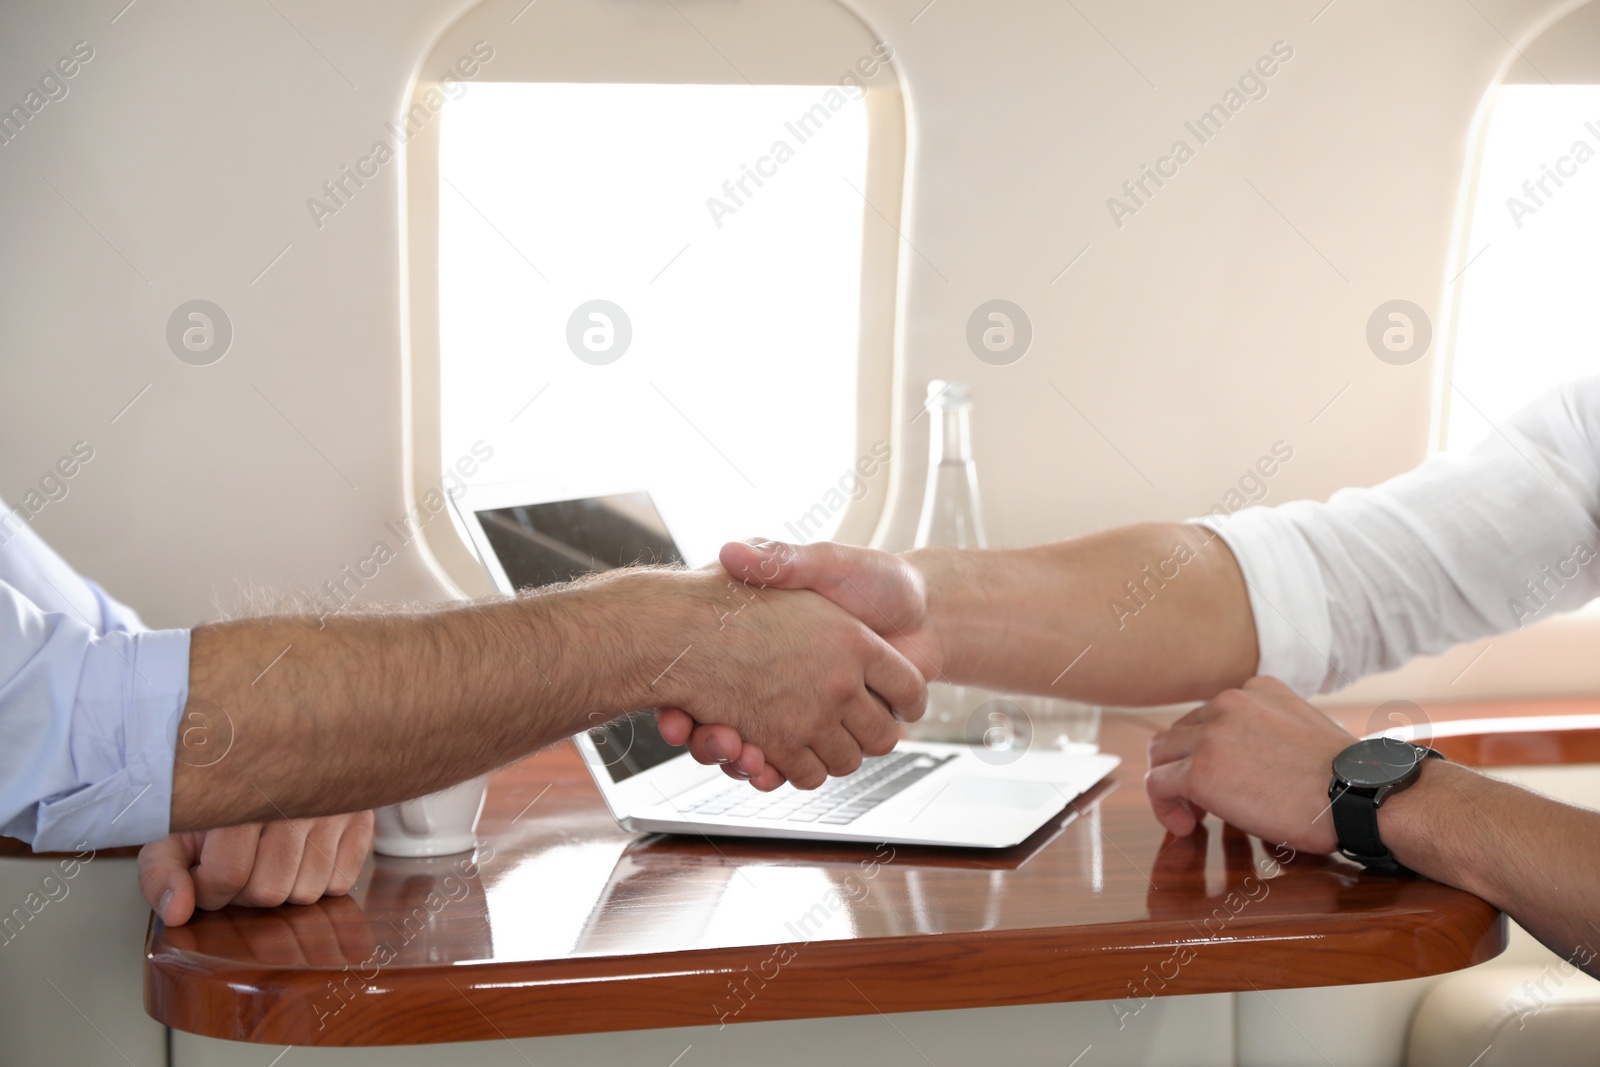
(1534, 858)
(1148, 614)
(296, 716)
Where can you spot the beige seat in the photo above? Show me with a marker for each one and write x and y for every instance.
(1509, 1016)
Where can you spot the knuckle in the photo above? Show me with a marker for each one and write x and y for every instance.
(250, 898)
(809, 780)
(344, 876)
(228, 877)
(305, 894)
(1204, 759)
(268, 891)
(1230, 701)
(841, 688)
(272, 898)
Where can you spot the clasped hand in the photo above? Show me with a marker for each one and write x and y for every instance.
(888, 597)
(808, 684)
(258, 865)
(1257, 756)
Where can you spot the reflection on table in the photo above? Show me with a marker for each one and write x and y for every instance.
(563, 923)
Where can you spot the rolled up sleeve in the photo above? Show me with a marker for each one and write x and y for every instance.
(1288, 597)
(87, 727)
(1460, 548)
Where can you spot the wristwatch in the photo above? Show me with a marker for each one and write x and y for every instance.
(1364, 776)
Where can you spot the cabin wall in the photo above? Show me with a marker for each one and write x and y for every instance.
(1173, 348)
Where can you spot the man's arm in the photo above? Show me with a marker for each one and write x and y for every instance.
(1147, 614)
(356, 712)
(1534, 858)
(1315, 594)
(1319, 593)
(262, 864)
(1261, 759)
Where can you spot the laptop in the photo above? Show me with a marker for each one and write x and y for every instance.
(922, 793)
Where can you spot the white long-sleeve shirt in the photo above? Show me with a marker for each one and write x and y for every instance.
(89, 705)
(1458, 549)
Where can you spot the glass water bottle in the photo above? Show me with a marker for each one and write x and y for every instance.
(951, 518)
(951, 514)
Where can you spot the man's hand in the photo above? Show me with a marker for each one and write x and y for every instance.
(810, 686)
(883, 591)
(1258, 757)
(258, 865)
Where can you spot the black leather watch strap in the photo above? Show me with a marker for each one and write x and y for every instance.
(1355, 819)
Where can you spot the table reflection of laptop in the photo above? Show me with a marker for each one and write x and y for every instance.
(921, 793)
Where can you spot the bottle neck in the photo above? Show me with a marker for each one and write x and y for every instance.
(950, 436)
(952, 516)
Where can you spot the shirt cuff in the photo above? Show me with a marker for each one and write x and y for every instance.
(1294, 634)
(130, 800)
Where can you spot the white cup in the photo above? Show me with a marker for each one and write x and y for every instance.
(435, 825)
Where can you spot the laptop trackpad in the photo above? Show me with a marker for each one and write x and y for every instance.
(969, 793)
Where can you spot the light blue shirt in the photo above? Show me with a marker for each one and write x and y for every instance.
(89, 705)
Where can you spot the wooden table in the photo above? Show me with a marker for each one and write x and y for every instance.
(566, 924)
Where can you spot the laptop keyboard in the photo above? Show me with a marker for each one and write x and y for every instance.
(839, 801)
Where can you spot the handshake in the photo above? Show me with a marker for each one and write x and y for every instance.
(815, 652)
(786, 663)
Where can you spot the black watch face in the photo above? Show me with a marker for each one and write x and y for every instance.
(1377, 761)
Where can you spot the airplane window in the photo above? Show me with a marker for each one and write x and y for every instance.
(656, 287)
(1526, 296)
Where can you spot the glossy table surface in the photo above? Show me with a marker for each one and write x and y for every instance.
(563, 923)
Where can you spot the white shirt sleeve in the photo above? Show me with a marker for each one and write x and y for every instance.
(89, 706)
(1458, 549)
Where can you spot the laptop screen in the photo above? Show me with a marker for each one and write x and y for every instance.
(543, 544)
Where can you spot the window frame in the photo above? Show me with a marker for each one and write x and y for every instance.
(807, 42)
(1544, 56)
